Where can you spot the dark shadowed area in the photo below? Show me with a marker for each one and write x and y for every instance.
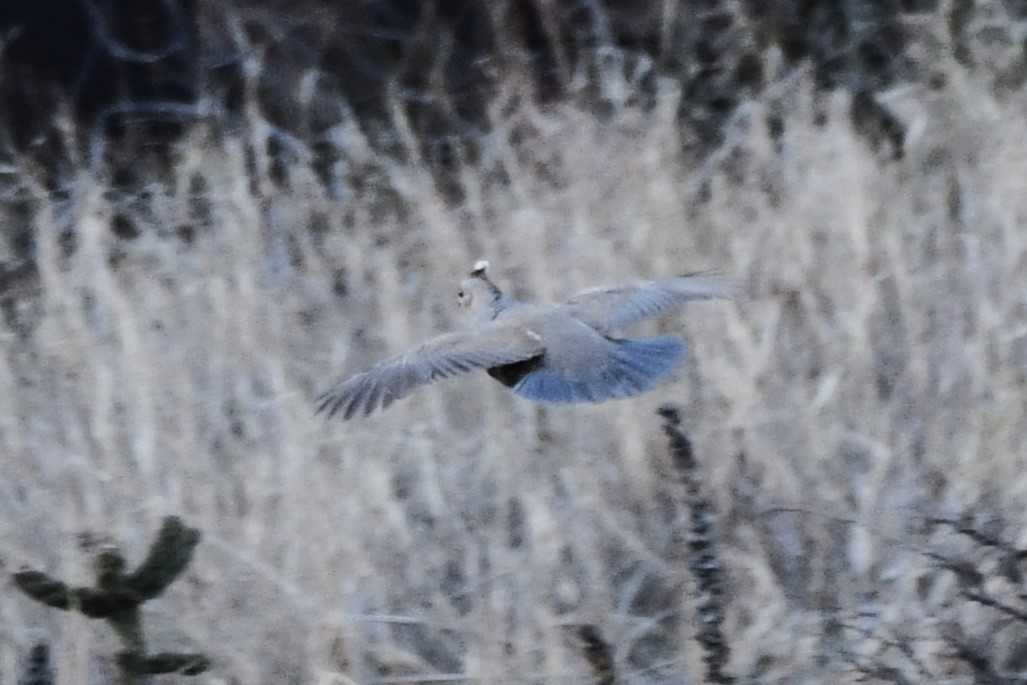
(211, 211)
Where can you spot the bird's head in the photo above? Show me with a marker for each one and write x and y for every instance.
(479, 295)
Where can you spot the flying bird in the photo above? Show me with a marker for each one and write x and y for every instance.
(565, 352)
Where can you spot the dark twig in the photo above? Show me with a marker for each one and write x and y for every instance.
(598, 654)
(702, 561)
(36, 670)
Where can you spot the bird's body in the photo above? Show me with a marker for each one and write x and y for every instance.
(567, 352)
(577, 363)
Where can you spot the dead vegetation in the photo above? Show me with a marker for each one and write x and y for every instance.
(860, 414)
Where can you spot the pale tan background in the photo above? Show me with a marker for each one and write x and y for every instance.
(873, 374)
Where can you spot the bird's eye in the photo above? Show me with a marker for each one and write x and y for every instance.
(460, 294)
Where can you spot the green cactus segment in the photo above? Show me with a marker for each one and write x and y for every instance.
(92, 603)
(169, 555)
(162, 663)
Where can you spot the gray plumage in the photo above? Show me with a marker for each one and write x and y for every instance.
(564, 352)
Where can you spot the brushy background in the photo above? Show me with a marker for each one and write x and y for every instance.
(859, 414)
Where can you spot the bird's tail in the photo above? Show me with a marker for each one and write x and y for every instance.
(644, 363)
(632, 368)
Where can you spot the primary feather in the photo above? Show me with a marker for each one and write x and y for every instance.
(616, 308)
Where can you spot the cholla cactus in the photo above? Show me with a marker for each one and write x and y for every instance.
(118, 596)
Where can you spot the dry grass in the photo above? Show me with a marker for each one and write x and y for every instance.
(874, 375)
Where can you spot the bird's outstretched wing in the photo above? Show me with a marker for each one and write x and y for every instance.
(448, 355)
(612, 309)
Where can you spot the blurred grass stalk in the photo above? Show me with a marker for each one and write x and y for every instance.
(876, 371)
